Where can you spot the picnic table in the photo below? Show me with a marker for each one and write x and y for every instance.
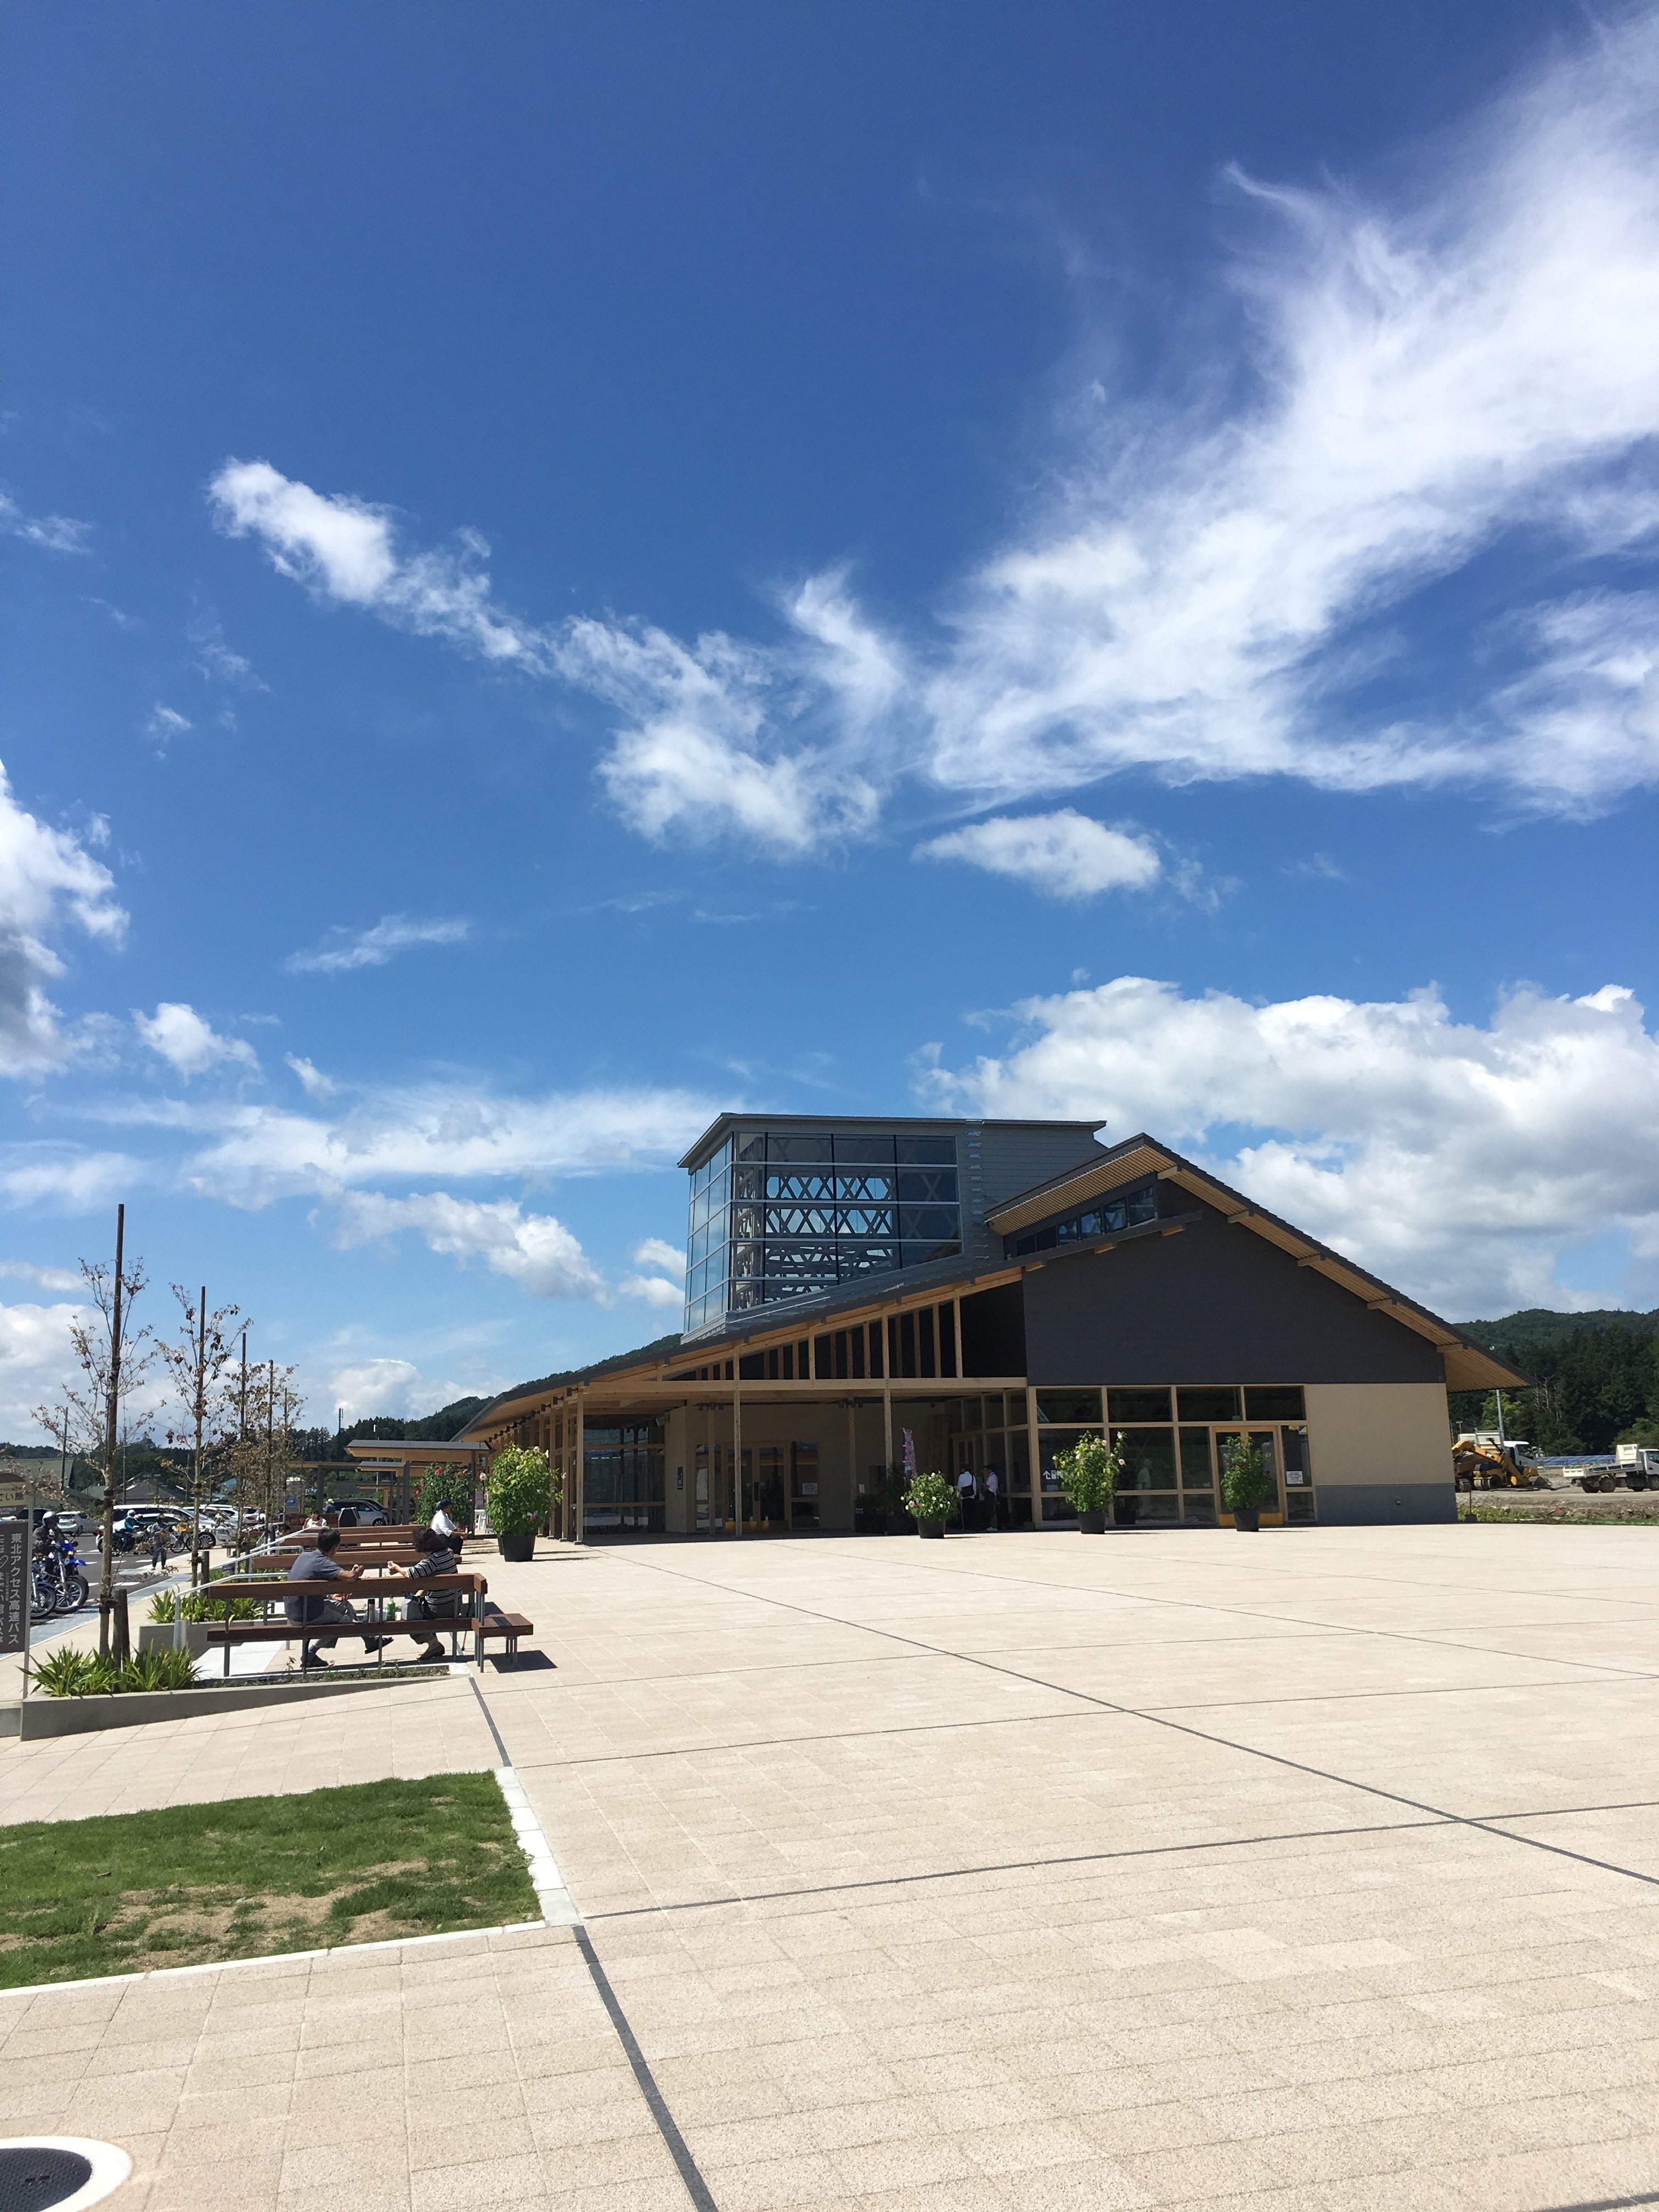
(373, 1594)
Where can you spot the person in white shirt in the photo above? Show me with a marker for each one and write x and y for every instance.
(991, 1488)
(440, 1519)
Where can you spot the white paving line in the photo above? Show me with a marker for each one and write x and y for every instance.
(558, 1907)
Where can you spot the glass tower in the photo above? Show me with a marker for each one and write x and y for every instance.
(779, 1214)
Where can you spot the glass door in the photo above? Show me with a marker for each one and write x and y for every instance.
(1228, 1440)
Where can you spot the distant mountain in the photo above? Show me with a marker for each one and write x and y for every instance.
(1537, 1325)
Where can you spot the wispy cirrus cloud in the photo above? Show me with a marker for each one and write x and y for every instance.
(343, 950)
(1220, 582)
(53, 533)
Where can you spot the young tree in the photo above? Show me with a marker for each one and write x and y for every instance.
(199, 1365)
(113, 1360)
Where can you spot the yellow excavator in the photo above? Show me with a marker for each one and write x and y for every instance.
(1488, 1462)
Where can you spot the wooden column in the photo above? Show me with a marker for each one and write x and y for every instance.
(579, 1480)
(886, 1417)
(737, 1457)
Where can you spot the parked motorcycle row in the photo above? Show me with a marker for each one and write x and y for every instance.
(60, 1584)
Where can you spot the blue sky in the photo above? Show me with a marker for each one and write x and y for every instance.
(568, 568)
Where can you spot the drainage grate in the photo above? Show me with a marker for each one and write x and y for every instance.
(62, 2172)
(32, 2179)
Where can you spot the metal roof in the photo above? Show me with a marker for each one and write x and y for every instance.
(877, 1122)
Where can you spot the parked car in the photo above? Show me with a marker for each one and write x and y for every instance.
(370, 1513)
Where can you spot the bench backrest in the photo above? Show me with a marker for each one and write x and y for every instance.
(382, 1586)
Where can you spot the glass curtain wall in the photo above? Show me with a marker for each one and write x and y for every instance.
(990, 1432)
(778, 1215)
(622, 1477)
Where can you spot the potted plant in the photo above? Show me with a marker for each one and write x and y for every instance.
(930, 1501)
(1244, 1482)
(519, 1493)
(1089, 1475)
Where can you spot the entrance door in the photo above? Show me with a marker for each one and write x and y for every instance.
(1226, 1439)
(803, 1486)
(702, 1489)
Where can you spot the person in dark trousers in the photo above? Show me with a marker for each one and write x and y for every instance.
(158, 1544)
(319, 1565)
(435, 1558)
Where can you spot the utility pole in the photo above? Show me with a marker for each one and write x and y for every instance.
(272, 1513)
(106, 1572)
(62, 1459)
(242, 1443)
(201, 1415)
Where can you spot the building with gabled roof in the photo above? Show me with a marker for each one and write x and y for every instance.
(990, 1291)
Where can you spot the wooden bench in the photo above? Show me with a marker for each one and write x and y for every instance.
(482, 1628)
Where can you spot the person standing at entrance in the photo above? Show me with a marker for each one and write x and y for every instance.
(964, 1491)
(991, 1499)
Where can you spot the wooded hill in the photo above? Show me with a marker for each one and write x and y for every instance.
(1595, 1379)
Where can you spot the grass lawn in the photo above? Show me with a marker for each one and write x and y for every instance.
(131, 1891)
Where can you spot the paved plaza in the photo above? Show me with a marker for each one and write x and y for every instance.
(1287, 1873)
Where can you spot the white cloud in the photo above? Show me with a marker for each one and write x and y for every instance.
(533, 1249)
(1458, 1161)
(255, 1153)
(165, 724)
(312, 1081)
(35, 1356)
(1065, 855)
(53, 533)
(215, 658)
(68, 1179)
(46, 878)
(655, 1290)
(189, 1044)
(342, 549)
(1480, 363)
(656, 1252)
(43, 1279)
(343, 950)
(396, 1387)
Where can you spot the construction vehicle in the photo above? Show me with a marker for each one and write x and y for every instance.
(1482, 1459)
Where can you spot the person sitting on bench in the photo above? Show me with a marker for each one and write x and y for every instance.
(317, 1565)
(437, 1559)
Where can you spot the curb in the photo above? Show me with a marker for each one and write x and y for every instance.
(38, 1717)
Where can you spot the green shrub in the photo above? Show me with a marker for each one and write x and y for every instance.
(64, 1674)
(519, 1490)
(157, 1670)
(453, 1484)
(85, 1674)
(207, 1604)
(1243, 1475)
(930, 1497)
(1089, 1474)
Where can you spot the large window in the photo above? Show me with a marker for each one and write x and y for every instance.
(778, 1215)
(1175, 1444)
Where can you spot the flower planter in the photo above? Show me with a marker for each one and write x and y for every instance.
(516, 1543)
(931, 1528)
(157, 1636)
(1092, 1524)
(1247, 1519)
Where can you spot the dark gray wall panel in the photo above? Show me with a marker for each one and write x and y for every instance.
(1364, 1504)
(1013, 1159)
(1215, 1304)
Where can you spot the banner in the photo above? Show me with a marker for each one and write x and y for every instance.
(14, 1593)
(909, 1453)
